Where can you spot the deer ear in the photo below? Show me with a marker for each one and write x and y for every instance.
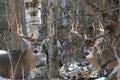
(28, 40)
(99, 40)
(45, 40)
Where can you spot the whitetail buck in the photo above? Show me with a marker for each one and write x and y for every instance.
(104, 60)
(17, 64)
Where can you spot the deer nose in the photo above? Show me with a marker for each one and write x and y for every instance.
(87, 53)
(35, 51)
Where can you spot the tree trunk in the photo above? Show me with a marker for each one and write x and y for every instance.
(33, 17)
(16, 19)
(53, 69)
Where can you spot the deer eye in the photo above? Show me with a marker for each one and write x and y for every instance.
(92, 45)
(39, 44)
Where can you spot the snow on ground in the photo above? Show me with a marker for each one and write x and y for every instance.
(74, 69)
(102, 78)
(3, 52)
(1, 78)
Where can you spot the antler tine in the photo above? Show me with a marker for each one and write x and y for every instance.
(94, 29)
(72, 29)
(101, 29)
(76, 26)
(85, 36)
(19, 28)
(20, 33)
(75, 31)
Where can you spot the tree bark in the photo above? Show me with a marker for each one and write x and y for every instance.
(52, 57)
(16, 18)
(33, 17)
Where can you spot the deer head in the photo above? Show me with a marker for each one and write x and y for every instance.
(90, 44)
(34, 44)
(104, 60)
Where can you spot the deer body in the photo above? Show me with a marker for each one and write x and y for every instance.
(27, 62)
(107, 59)
(17, 64)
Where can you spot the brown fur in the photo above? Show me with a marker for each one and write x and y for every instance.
(105, 56)
(27, 62)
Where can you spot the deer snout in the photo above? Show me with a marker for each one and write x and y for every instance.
(86, 53)
(35, 51)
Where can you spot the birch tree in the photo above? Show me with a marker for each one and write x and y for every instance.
(33, 17)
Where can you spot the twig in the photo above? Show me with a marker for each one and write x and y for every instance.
(12, 77)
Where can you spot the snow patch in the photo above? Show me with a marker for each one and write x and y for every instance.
(3, 52)
(1, 78)
(102, 78)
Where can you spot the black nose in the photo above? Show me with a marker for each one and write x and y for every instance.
(35, 51)
(87, 53)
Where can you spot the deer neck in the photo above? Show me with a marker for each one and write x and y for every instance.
(32, 54)
(30, 51)
(95, 60)
(31, 57)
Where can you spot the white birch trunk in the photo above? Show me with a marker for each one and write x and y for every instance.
(33, 24)
(33, 17)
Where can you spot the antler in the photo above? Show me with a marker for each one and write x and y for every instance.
(20, 33)
(51, 34)
(75, 30)
(19, 30)
(94, 30)
(101, 29)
